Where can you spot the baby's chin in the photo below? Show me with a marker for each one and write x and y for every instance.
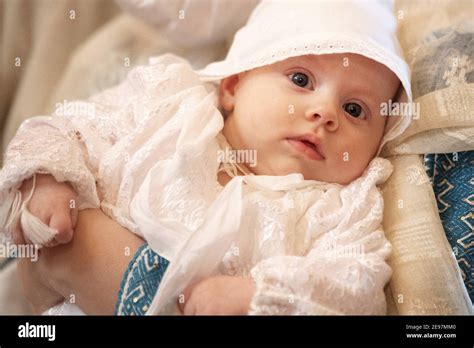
(317, 173)
(331, 179)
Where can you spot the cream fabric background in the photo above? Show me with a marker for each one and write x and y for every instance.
(70, 61)
(446, 122)
(44, 37)
(426, 278)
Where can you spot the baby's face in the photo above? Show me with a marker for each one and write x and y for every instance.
(332, 101)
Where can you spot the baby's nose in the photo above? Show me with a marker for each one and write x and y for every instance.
(325, 114)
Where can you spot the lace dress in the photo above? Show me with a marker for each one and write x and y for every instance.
(146, 153)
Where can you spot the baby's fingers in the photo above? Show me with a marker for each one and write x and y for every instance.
(61, 221)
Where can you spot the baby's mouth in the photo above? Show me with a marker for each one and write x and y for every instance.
(308, 146)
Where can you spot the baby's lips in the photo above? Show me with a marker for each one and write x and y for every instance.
(313, 140)
(316, 141)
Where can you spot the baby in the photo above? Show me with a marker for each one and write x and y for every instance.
(302, 89)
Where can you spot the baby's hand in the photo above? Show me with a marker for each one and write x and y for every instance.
(219, 295)
(54, 204)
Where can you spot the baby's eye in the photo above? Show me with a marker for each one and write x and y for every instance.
(300, 79)
(354, 110)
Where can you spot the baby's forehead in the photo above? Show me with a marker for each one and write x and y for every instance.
(343, 59)
(354, 67)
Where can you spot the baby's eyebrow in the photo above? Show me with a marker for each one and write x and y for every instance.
(308, 58)
(365, 91)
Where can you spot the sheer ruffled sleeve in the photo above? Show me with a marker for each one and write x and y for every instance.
(68, 144)
(345, 270)
(71, 143)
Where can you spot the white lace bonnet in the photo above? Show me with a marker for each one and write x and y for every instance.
(280, 29)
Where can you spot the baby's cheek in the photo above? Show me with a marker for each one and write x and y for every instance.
(259, 123)
(349, 164)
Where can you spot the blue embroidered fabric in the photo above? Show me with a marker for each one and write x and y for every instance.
(452, 176)
(140, 282)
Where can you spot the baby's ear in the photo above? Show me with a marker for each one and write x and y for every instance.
(227, 90)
